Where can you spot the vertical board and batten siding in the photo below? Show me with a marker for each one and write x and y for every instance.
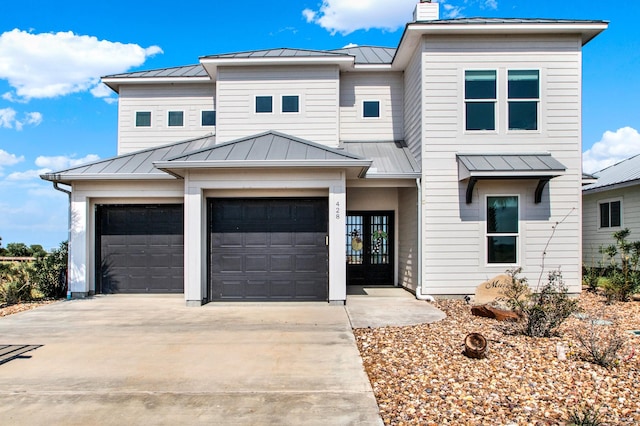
(407, 251)
(593, 236)
(159, 100)
(317, 88)
(413, 106)
(454, 233)
(387, 88)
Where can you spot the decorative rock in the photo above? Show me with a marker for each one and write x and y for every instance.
(636, 297)
(493, 312)
(492, 290)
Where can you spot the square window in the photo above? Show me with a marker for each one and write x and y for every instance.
(502, 229)
(371, 109)
(264, 104)
(523, 92)
(480, 99)
(290, 104)
(611, 214)
(143, 119)
(176, 118)
(208, 118)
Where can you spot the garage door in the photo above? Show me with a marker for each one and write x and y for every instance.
(139, 248)
(268, 249)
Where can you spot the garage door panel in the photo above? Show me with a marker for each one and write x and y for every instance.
(256, 263)
(255, 239)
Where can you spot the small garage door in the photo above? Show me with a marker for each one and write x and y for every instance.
(268, 249)
(139, 248)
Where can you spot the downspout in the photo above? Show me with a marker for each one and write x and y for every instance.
(419, 294)
(66, 276)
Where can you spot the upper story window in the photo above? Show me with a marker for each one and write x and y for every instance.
(291, 103)
(371, 109)
(610, 213)
(208, 118)
(480, 99)
(502, 229)
(176, 118)
(143, 118)
(523, 98)
(264, 104)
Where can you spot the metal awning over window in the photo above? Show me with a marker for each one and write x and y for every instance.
(475, 167)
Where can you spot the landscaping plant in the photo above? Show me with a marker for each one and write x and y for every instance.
(15, 283)
(625, 274)
(50, 272)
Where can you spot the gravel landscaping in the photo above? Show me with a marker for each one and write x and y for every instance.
(420, 375)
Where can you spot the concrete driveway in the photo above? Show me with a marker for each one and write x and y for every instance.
(114, 360)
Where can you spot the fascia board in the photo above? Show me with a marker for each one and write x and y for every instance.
(169, 165)
(114, 83)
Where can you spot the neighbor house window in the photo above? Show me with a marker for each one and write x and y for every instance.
(264, 104)
(523, 98)
(143, 119)
(502, 229)
(290, 104)
(480, 100)
(176, 118)
(208, 118)
(371, 109)
(610, 214)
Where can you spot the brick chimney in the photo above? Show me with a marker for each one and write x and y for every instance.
(426, 11)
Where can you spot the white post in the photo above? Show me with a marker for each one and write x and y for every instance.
(193, 243)
(78, 247)
(337, 241)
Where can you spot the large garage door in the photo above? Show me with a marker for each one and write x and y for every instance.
(268, 249)
(139, 248)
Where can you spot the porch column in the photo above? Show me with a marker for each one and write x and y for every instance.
(194, 279)
(337, 241)
(78, 247)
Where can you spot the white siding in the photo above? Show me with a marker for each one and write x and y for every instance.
(413, 105)
(355, 88)
(159, 100)
(317, 87)
(454, 260)
(408, 238)
(593, 236)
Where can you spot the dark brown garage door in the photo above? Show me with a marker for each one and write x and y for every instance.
(268, 249)
(139, 248)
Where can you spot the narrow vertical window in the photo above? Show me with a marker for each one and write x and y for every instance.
(208, 118)
(264, 104)
(143, 119)
(523, 99)
(480, 100)
(502, 229)
(371, 109)
(290, 104)
(176, 118)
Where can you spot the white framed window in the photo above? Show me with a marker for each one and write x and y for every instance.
(143, 118)
(290, 104)
(523, 99)
(264, 104)
(175, 119)
(480, 99)
(503, 229)
(207, 118)
(370, 109)
(610, 213)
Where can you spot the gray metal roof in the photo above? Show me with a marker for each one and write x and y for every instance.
(510, 163)
(624, 173)
(390, 159)
(136, 165)
(274, 53)
(488, 21)
(183, 71)
(369, 55)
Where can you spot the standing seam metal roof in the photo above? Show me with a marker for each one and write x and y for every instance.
(624, 172)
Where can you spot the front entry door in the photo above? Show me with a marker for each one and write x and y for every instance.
(369, 248)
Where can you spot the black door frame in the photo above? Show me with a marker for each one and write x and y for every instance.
(372, 274)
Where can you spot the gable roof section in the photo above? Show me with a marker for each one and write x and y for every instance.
(265, 150)
(369, 55)
(390, 159)
(623, 174)
(136, 165)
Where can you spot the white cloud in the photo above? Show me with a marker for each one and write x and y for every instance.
(7, 159)
(48, 65)
(350, 45)
(8, 119)
(27, 174)
(611, 149)
(62, 162)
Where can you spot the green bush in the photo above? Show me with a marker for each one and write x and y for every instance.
(15, 283)
(50, 272)
(624, 278)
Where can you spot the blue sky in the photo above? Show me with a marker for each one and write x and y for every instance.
(54, 113)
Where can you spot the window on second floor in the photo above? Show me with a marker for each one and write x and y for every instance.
(264, 104)
(291, 103)
(371, 109)
(610, 213)
(502, 229)
(523, 98)
(143, 118)
(176, 119)
(480, 99)
(208, 118)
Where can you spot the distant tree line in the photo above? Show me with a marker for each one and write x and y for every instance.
(22, 250)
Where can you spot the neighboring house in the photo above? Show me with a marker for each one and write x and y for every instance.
(610, 204)
(288, 174)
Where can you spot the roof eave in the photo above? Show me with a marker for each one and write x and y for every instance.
(68, 178)
(617, 185)
(114, 83)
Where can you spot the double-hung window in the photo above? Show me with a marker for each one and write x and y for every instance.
(502, 229)
(610, 214)
(523, 94)
(480, 99)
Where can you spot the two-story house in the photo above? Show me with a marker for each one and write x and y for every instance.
(289, 174)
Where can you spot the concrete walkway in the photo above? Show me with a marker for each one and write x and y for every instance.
(114, 360)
